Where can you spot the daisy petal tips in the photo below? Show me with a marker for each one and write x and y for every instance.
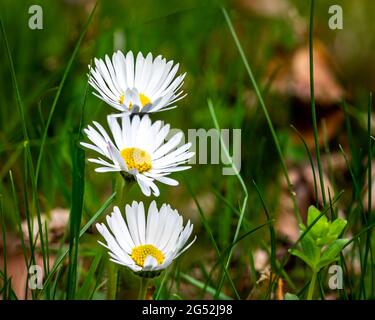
(138, 149)
(140, 85)
(146, 245)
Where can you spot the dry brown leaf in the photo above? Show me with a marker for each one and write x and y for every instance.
(276, 9)
(294, 76)
(302, 180)
(16, 268)
(328, 127)
(56, 223)
(260, 257)
(280, 289)
(269, 8)
(286, 224)
(291, 79)
(308, 176)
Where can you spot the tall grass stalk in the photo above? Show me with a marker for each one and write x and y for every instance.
(60, 258)
(272, 234)
(230, 247)
(59, 90)
(266, 114)
(243, 186)
(3, 229)
(78, 188)
(368, 247)
(15, 84)
(36, 207)
(214, 243)
(312, 100)
(311, 163)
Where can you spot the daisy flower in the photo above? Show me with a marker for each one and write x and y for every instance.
(145, 245)
(138, 150)
(140, 85)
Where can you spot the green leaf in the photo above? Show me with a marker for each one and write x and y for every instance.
(326, 240)
(303, 257)
(325, 262)
(310, 249)
(312, 214)
(333, 250)
(321, 226)
(290, 296)
(337, 227)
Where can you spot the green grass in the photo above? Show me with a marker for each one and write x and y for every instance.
(312, 99)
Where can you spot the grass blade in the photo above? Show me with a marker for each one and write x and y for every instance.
(4, 273)
(272, 234)
(59, 90)
(368, 248)
(78, 188)
(60, 259)
(85, 291)
(266, 114)
(243, 186)
(312, 100)
(15, 83)
(212, 238)
(201, 285)
(311, 162)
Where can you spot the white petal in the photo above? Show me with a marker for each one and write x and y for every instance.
(132, 223)
(172, 143)
(116, 131)
(138, 70)
(141, 223)
(150, 263)
(130, 69)
(152, 222)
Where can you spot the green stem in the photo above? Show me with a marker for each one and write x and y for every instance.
(112, 281)
(143, 289)
(122, 185)
(312, 286)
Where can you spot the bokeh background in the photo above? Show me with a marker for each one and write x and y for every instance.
(274, 35)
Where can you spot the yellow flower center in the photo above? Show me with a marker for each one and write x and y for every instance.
(144, 100)
(122, 98)
(136, 159)
(140, 253)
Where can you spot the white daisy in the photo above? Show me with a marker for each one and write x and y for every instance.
(145, 245)
(139, 150)
(145, 85)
